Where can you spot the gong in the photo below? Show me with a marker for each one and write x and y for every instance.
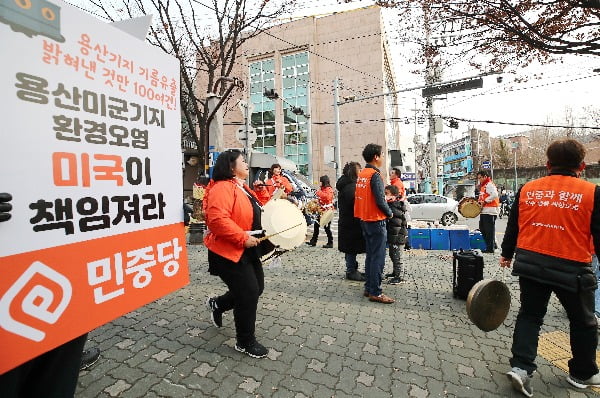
(488, 304)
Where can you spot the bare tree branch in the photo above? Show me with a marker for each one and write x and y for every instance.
(179, 29)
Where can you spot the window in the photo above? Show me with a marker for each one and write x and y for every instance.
(434, 199)
(295, 80)
(415, 200)
(262, 76)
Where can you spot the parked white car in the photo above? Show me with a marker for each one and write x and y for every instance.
(427, 206)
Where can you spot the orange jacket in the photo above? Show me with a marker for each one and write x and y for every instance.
(555, 215)
(204, 200)
(365, 207)
(398, 183)
(483, 195)
(325, 196)
(279, 181)
(262, 193)
(228, 216)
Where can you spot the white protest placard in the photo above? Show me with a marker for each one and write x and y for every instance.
(90, 152)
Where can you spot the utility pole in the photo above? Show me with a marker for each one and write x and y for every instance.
(432, 146)
(491, 155)
(336, 113)
(415, 141)
(431, 77)
(309, 138)
(515, 146)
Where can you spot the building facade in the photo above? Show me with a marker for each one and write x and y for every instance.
(299, 61)
(462, 158)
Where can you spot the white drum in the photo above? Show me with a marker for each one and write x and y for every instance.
(326, 217)
(284, 224)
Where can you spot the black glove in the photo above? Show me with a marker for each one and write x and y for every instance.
(5, 207)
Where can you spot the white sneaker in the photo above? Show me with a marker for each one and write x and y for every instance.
(521, 381)
(593, 381)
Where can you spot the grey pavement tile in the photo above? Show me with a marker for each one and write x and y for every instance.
(118, 388)
(325, 339)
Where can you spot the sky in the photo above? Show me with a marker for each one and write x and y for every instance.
(542, 99)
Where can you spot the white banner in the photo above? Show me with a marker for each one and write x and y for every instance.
(90, 131)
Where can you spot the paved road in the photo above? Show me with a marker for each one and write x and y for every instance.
(326, 339)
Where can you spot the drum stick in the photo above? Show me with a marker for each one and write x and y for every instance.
(277, 233)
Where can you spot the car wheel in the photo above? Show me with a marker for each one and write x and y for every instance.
(449, 218)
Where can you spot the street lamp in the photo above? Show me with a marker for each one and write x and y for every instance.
(515, 145)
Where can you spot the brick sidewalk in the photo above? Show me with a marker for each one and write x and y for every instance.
(325, 339)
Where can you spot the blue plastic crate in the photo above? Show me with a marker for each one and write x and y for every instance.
(440, 239)
(459, 239)
(419, 238)
(476, 240)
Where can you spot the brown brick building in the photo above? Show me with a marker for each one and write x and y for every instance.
(300, 60)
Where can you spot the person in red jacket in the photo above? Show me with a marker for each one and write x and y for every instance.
(550, 225)
(232, 213)
(396, 181)
(262, 191)
(278, 180)
(325, 197)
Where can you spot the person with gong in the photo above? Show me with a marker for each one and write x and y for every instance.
(553, 229)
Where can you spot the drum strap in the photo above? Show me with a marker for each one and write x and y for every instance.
(265, 246)
(256, 209)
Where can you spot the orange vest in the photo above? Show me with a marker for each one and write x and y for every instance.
(483, 195)
(398, 183)
(365, 207)
(555, 214)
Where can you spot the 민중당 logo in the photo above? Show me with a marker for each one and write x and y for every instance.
(40, 294)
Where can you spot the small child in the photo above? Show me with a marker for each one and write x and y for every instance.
(397, 233)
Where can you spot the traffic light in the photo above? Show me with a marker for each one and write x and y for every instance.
(270, 93)
(297, 110)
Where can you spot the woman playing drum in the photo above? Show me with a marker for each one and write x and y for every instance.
(325, 196)
(231, 210)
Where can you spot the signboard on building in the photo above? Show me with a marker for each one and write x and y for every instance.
(91, 156)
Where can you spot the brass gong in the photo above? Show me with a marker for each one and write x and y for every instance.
(488, 304)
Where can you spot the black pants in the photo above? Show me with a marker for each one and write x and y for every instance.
(246, 281)
(53, 374)
(395, 250)
(487, 226)
(582, 324)
(327, 229)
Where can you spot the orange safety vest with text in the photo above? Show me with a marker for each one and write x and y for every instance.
(483, 195)
(365, 207)
(555, 215)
